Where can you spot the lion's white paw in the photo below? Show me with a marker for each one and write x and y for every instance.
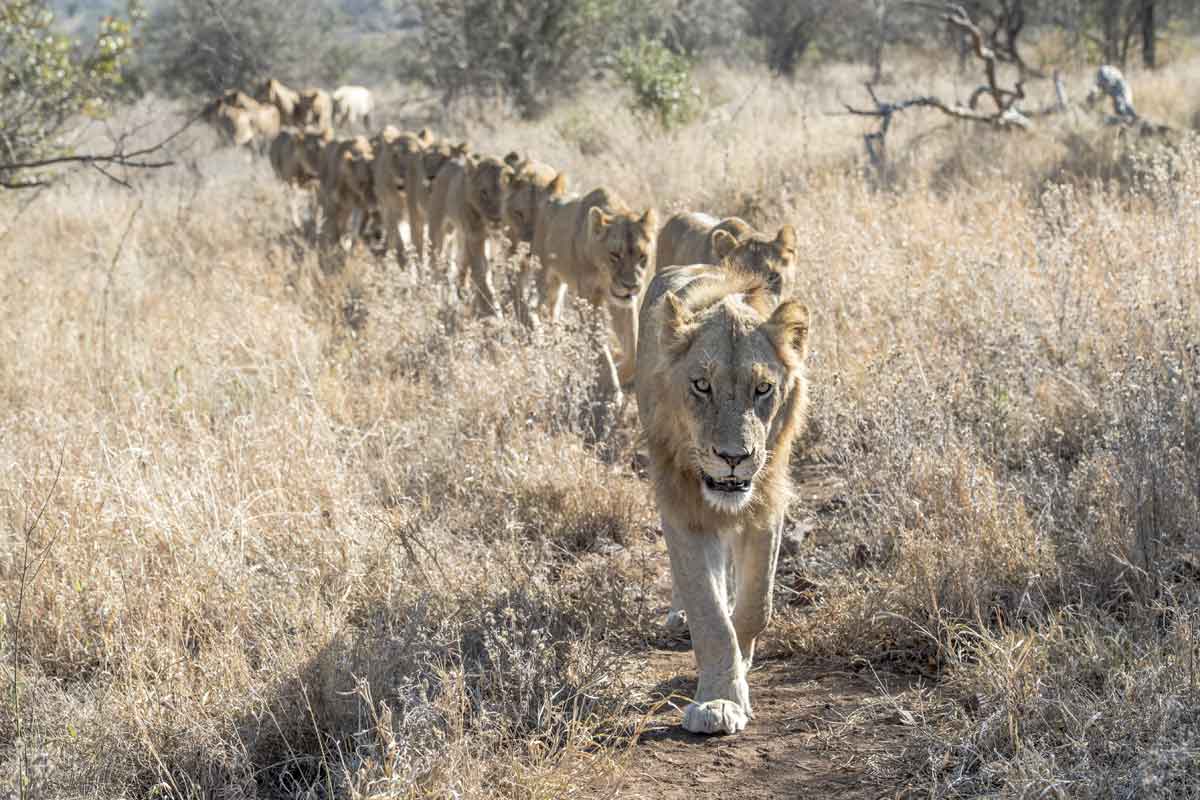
(677, 621)
(715, 716)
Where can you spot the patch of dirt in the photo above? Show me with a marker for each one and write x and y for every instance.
(817, 732)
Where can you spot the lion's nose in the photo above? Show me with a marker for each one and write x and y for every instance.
(733, 457)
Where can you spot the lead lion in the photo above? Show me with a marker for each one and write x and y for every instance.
(722, 393)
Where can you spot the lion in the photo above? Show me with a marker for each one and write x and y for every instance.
(274, 93)
(692, 238)
(296, 160)
(600, 249)
(353, 104)
(531, 188)
(314, 108)
(532, 185)
(394, 150)
(722, 394)
(467, 198)
(421, 169)
(347, 186)
(242, 121)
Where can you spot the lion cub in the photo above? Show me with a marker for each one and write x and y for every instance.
(347, 187)
(394, 150)
(722, 393)
(600, 249)
(467, 198)
(694, 238)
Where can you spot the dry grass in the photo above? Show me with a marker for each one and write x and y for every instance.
(327, 535)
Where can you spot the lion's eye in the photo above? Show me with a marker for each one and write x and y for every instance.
(701, 386)
(763, 389)
(614, 257)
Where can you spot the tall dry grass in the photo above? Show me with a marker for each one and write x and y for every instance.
(328, 535)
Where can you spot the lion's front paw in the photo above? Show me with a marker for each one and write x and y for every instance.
(677, 622)
(715, 716)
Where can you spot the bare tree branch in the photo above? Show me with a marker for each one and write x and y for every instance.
(135, 159)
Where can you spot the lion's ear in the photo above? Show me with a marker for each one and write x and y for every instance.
(558, 186)
(786, 238)
(788, 328)
(425, 136)
(723, 243)
(598, 222)
(513, 158)
(678, 323)
(650, 220)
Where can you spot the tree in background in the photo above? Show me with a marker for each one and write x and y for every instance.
(49, 83)
(207, 46)
(788, 27)
(528, 50)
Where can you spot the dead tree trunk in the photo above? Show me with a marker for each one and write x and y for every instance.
(1111, 24)
(1149, 50)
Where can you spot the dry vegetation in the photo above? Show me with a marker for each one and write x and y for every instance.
(274, 532)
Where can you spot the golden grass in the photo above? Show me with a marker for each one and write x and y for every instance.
(329, 534)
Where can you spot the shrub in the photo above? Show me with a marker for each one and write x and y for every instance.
(660, 81)
(48, 81)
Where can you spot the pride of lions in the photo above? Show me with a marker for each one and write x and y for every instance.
(718, 368)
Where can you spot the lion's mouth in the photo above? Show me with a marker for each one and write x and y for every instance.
(730, 485)
(622, 297)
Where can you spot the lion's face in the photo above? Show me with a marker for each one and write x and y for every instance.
(434, 157)
(526, 195)
(487, 182)
(356, 169)
(732, 371)
(269, 92)
(312, 143)
(624, 242)
(397, 153)
(775, 257)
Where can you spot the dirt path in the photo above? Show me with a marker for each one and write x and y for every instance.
(816, 733)
(819, 731)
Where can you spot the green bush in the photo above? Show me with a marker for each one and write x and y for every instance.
(660, 81)
(47, 81)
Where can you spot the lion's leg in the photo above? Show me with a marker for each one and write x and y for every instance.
(481, 275)
(462, 272)
(353, 225)
(391, 211)
(677, 616)
(294, 201)
(722, 702)
(556, 291)
(610, 384)
(624, 322)
(755, 555)
(416, 224)
(437, 232)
